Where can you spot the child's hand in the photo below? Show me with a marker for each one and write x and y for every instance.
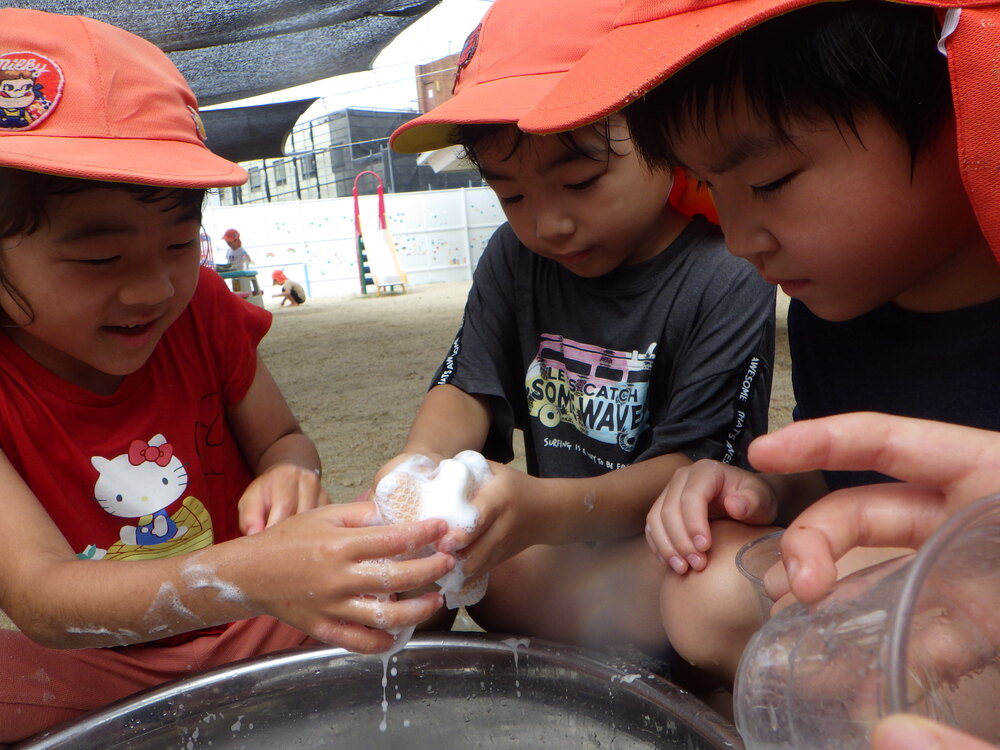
(328, 574)
(905, 732)
(283, 490)
(504, 528)
(677, 526)
(943, 467)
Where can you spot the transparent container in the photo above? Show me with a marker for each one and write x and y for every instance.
(753, 560)
(918, 634)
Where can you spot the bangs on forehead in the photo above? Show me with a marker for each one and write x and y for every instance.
(476, 138)
(24, 197)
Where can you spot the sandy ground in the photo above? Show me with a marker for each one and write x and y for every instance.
(354, 370)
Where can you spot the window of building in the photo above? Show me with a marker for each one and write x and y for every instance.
(255, 178)
(307, 164)
(280, 173)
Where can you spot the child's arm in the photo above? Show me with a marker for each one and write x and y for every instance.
(678, 528)
(518, 510)
(312, 571)
(282, 457)
(448, 421)
(943, 467)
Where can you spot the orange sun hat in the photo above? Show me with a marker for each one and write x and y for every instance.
(653, 39)
(521, 49)
(81, 98)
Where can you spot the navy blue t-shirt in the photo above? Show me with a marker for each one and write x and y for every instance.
(943, 366)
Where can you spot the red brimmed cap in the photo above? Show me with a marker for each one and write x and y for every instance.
(521, 49)
(653, 39)
(81, 98)
(650, 40)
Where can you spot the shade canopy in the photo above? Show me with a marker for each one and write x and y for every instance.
(233, 49)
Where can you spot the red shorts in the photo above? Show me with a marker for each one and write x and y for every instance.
(41, 687)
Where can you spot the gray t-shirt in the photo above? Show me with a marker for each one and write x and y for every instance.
(673, 354)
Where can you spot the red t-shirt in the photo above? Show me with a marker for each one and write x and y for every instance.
(154, 469)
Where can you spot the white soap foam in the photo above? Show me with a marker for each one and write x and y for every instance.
(201, 576)
(418, 489)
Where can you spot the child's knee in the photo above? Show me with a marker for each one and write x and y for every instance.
(709, 615)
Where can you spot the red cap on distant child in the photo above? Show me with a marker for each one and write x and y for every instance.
(653, 39)
(278, 276)
(521, 49)
(81, 98)
(230, 234)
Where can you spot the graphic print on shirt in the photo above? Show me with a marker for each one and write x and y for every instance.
(601, 392)
(140, 485)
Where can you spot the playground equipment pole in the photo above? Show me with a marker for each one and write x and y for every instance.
(363, 268)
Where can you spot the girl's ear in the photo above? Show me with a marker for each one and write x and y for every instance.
(690, 198)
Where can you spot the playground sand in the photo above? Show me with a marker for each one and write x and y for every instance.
(354, 370)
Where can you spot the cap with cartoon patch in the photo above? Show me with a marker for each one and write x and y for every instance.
(521, 49)
(653, 39)
(81, 98)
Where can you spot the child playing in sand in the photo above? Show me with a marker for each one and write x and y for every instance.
(828, 136)
(291, 291)
(614, 330)
(156, 487)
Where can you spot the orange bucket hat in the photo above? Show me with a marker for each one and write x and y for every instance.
(81, 98)
(653, 39)
(519, 51)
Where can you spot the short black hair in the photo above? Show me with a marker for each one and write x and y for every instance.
(833, 59)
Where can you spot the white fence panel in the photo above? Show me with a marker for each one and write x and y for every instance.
(439, 234)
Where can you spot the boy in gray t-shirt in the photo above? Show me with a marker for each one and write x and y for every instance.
(610, 327)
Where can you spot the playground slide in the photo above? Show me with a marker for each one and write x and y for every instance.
(380, 248)
(376, 247)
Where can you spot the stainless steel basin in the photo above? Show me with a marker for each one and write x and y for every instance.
(452, 690)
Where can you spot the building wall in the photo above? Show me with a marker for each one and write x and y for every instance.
(439, 236)
(435, 81)
(324, 155)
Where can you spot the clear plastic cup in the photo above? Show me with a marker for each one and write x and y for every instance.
(918, 634)
(753, 560)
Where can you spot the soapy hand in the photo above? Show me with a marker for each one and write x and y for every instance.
(331, 573)
(418, 488)
(283, 490)
(677, 526)
(509, 521)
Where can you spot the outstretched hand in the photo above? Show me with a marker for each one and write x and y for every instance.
(941, 468)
